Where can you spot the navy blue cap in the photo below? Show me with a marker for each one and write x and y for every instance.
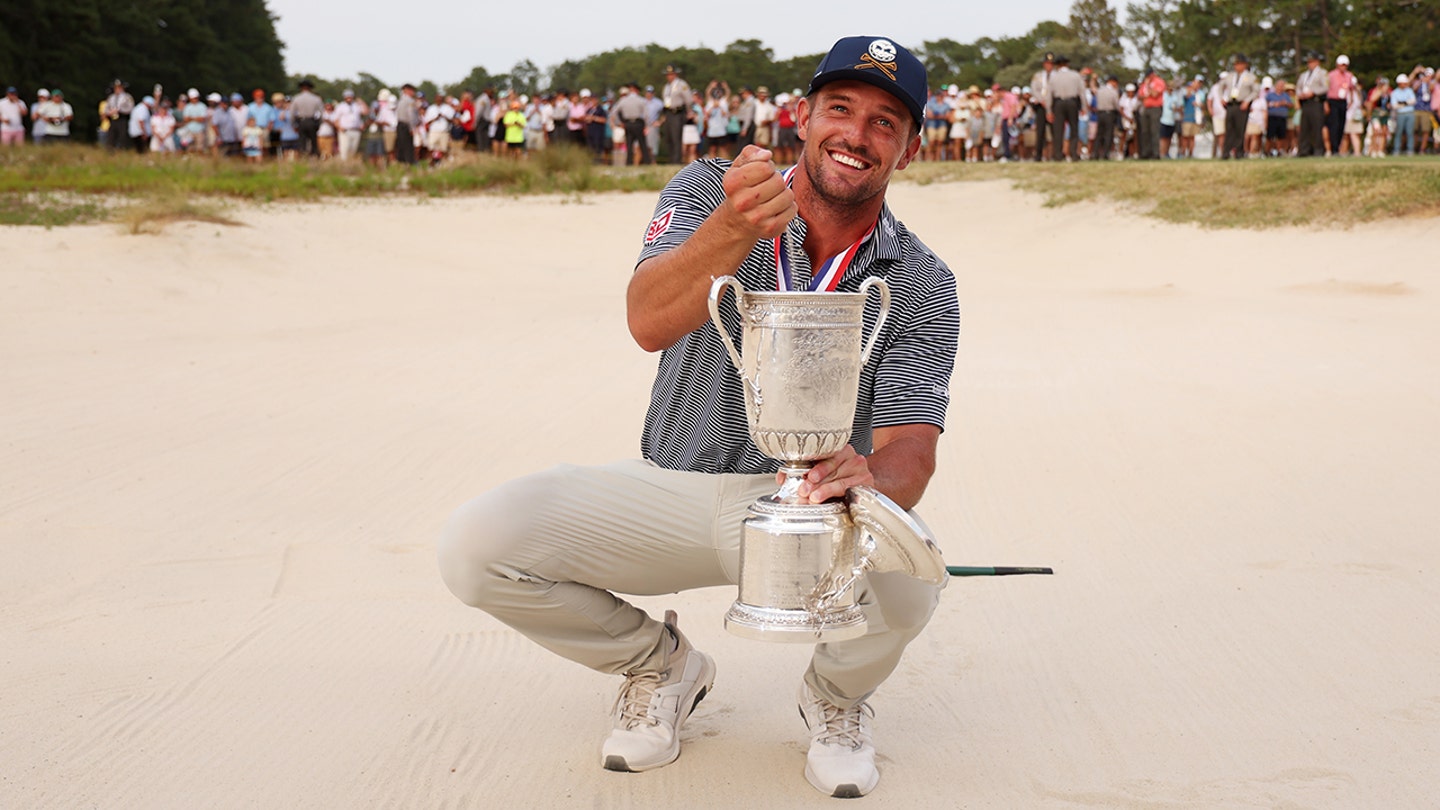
(878, 61)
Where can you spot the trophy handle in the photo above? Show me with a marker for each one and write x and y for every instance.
(873, 281)
(717, 291)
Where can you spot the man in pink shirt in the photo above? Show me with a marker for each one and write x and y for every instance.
(1341, 80)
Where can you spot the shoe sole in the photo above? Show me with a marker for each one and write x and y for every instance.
(845, 791)
(618, 764)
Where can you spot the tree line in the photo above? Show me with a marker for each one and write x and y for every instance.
(82, 46)
(1179, 36)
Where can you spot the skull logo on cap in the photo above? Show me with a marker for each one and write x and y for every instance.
(882, 50)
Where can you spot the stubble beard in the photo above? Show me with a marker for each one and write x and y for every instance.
(838, 195)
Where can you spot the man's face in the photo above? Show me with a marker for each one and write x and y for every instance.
(855, 137)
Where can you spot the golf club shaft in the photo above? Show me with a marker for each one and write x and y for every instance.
(992, 571)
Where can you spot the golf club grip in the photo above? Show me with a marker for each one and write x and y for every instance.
(997, 571)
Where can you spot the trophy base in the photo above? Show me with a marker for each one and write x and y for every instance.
(800, 626)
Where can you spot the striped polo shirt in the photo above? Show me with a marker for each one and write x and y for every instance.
(696, 420)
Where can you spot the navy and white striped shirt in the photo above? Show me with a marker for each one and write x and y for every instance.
(696, 420)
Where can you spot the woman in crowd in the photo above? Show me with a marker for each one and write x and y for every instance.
(1377, 104)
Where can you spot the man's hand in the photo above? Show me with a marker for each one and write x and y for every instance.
(757, 201)
(667, 297)
(900, 467)
(831, 477)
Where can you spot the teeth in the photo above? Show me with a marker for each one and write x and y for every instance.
(848, 161)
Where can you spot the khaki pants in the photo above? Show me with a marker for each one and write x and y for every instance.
(544, 553)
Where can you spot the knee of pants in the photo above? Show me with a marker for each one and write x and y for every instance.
(905, 603)
(480, 536)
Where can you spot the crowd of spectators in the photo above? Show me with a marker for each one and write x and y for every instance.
(1322, 111)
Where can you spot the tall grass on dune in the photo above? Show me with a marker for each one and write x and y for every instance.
(1254, 194)
(69, 184)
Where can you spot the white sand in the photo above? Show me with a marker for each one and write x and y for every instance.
(225, 455)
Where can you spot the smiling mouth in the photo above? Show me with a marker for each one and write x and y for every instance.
(847, 160)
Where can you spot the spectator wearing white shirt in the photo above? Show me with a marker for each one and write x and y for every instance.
(349, 121)
(139, 124)
(239, 117)
(439, 117)
(38, 125)
(57, 115)
(162, 128)
(12, 119)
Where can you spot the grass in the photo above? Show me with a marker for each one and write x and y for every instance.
(76, 184)
(1253, 194)
(79, 184)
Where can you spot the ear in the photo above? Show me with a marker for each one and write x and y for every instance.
(802, 118)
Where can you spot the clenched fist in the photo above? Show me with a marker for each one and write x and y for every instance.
(758, 204)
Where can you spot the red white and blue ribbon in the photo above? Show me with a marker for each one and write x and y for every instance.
(829, 274)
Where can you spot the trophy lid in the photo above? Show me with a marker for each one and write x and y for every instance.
(900, 542)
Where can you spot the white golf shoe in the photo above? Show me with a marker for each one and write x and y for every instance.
(841, 760)
(652, 706)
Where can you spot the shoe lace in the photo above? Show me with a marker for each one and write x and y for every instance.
(837, 726)
(632, 705)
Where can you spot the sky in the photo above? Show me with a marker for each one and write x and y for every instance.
(447, 38)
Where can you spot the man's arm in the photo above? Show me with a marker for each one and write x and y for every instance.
(900, 467)
(668, 294)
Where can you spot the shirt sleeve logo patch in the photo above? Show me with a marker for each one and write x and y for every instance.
(659, 225)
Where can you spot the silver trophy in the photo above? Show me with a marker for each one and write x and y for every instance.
(800, 368)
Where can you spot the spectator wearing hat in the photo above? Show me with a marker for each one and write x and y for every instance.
(407, 118)
(57, 114)
(13, 112)
(1341, 83)
(239, 116)
(37, 121)
(1192, 113)
(1129, 122)
(1279, 105)
(1255, 121)
(140, 125)
(1310, 92)
(1402, 104)
(287, 126)
(1039, 91)
(162, 126)
(325, 136)
(349, 121)
(117, 111)
(192, 117)
(654, 113)
(1065, 100)
(306, 109)
(1172, 113)
(676, 97)
(1420, 82)
(1237, 90)
(764, 118)
(628, 114)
